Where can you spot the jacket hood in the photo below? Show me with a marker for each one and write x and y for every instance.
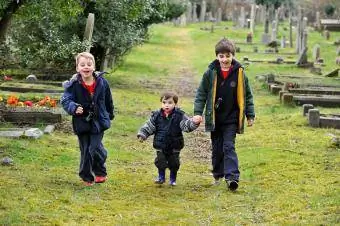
(215, 65)
(76, 77)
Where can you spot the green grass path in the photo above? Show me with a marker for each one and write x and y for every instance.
(289, 171)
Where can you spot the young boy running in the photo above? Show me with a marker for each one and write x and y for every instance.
(88, 99)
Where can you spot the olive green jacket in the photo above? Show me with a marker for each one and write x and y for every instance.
(206, 93)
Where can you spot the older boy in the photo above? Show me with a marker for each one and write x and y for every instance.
(226, 95)
(167, 125)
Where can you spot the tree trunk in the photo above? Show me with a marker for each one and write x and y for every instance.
(12, 7)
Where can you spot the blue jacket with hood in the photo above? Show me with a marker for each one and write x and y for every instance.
(98, 109)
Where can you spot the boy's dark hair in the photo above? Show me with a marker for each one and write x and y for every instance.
(168, 95)
(225, 46)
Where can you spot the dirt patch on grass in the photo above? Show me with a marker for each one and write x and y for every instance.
(183, 84)
(198, 145)
(65, 127)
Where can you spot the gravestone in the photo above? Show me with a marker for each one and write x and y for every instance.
(203, 11)
(302, 60)
(306, 108)
(265, 39)
(31, 79)
(242, 18)
(252, 18)
(219, 15)
(314, 117)
(317, 21)
(183, 20)
(189, 12)
(316, 52)
(89, 30)
(283, 42)
(249, 37)
(327, 34)
(315, 70)
(194, 13)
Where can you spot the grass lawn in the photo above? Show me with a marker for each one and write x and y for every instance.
(289, 171)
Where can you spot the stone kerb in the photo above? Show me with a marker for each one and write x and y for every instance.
(316, 119)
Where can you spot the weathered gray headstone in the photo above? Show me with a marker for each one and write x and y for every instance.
(317, 21)
(219, 15)
(265, 39)
(302, 60)
(314, 117)
(31, 78)
(306, 108)
(283, 42)
(242, 18)
(189, 12)
(252, 18)
(183, 20)
(316, 52)
(327, 34)
(89, 30)
(203, 11)
(249, 37)
(194, 13)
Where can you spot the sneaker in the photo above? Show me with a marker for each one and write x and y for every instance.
(232, 185)
(100, 179)
(88, 184)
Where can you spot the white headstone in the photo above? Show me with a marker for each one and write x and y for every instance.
(203, 11)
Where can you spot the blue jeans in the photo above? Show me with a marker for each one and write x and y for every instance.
(224, 158)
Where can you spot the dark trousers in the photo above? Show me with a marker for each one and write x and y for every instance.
(224, 157)
(168, 159)
(92, 156)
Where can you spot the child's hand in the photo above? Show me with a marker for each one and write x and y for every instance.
(79, 110)
(141, 139)
(197, 119)
(250, 122)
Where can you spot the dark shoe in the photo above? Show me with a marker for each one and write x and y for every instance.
(161, 177)
(172, 182)
(100, 179)
(232, 185)
(160, 180)
(173, 177)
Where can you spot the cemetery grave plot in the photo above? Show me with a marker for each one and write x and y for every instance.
(24, 87)
(316, 119)
(30, 101)
(292, 90)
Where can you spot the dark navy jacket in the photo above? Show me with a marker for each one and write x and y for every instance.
(167, 130)
(98, 110)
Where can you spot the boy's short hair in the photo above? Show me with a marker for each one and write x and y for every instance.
(225, 46)
(168, 95)
(86, 55)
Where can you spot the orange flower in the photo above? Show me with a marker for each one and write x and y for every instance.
(12, 100)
